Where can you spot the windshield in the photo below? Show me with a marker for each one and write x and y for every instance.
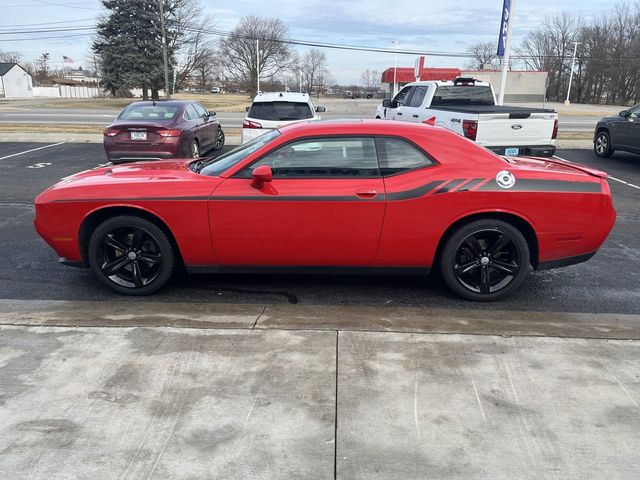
(280, 111)
(463, 95)
(137, 111)
(218, 165)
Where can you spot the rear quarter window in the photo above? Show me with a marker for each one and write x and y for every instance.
(397, 156)
(280, 111)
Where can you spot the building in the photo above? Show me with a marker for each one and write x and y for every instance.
(522, 86)
(15, 81)
(80, 75)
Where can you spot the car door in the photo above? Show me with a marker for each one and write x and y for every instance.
(209, 127)
(324, 207)
(413, 111)
(401, 100)
(195, 125)
(628, 131)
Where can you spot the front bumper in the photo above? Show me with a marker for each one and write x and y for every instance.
(528, 150)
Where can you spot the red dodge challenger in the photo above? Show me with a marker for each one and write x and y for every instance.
(351, 196)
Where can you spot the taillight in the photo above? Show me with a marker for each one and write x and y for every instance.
(110, 132)
(430, 121)
(250, 124)
(470, 128)
(169, 133)
(554, 135)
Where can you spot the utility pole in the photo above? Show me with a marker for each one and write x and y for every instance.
(164, 50)
(258, 66)
(507, 52)
(395, 70)
(573, 63)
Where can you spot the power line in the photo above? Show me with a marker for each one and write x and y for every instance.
(46, 23)
(48, 30)
(46, 38)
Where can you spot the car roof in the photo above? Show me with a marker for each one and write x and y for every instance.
(446, 83)
(176, 103)
(282, 97)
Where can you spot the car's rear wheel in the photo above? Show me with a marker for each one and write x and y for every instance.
(194, 150)
(219, 140)
(131, 255)
(485, 260)
(602, 145)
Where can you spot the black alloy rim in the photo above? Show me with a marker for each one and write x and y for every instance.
(220, 138)
(130, 257)
(487, 261)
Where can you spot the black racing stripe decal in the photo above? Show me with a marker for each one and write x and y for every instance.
(450, 186)
(469, 185)
(414, 193)
(535, 185)
(132, 199)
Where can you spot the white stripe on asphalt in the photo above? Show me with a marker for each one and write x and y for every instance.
(32, 150)
(608, 176)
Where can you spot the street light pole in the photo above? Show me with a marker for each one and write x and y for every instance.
(258, 65)
(395, 70)
(573, 63)
(164, 50)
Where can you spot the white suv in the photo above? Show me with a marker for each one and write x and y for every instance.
(276, 109)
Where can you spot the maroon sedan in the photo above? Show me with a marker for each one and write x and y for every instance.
(153, 130)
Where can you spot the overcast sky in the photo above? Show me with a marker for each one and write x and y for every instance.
(443, 25)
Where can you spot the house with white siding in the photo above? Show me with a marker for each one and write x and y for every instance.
(15, 81)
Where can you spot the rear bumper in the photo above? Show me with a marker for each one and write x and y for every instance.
(249, 134)
(170, 148)
(528, 150)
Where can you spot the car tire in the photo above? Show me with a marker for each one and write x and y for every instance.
(219, 140)
(485, 260)
(602, 145)
(194, 149)
(131, 255)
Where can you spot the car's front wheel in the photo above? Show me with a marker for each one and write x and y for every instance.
(219, 140)
(131, 255)
(194, 150)
(485, 260)
(602, 145)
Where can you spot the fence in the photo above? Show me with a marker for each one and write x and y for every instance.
(67, 91)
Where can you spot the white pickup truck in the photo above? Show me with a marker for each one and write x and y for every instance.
(468, 107)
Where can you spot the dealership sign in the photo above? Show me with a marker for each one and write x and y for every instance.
(504, 27)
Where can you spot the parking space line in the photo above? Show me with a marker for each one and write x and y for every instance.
(32, 150)
(608, 176)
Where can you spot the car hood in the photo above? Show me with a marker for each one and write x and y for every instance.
(613, 118)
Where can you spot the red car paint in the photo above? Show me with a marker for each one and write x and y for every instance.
(393, 221)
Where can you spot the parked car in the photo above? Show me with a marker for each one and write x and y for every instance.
(621, 132)
(277, 109)
(468, 107)
(215, 90)
(369, 196)
(153, 130)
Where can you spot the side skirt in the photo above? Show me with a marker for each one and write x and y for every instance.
(308, 270)
(564, 262)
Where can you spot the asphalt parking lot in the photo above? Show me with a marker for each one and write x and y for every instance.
(307, 377)
(608, 283)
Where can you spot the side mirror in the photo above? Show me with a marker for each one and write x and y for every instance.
(211, 114)
(261, 175)
(247, 109)
(321, 109)
(624, 113)
(386, 102)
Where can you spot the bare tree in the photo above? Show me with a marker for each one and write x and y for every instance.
(313, 68)
(370, 79)
(256, 44)
(483, 53)
(10, 57)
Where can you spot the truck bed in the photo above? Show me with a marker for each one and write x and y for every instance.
(480, 109)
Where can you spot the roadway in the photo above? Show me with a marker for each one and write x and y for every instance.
(102, 117)
(608, 283)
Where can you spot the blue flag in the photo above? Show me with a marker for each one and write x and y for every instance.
(504, 25)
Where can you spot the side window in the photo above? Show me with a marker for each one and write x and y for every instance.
(635, 111)
(190, 113)
(403, 95)
(397, 156)
(200, 110)
(346, 157)
(418, 96)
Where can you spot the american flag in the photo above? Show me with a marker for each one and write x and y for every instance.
(66, 59)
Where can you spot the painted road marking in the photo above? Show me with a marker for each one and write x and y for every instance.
(608, 177)
(32, 150)
(40, 165)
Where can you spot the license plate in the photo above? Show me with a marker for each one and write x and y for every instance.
(511, 152)
(138, 135)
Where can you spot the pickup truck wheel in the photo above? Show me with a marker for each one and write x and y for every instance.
(602, 145)
(485, 260)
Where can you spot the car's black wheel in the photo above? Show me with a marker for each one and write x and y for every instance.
(194, 149)
(485, 260)
(219, 140)
(131, 255)
(602, 145)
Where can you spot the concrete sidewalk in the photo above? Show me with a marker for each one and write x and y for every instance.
(193, 403)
